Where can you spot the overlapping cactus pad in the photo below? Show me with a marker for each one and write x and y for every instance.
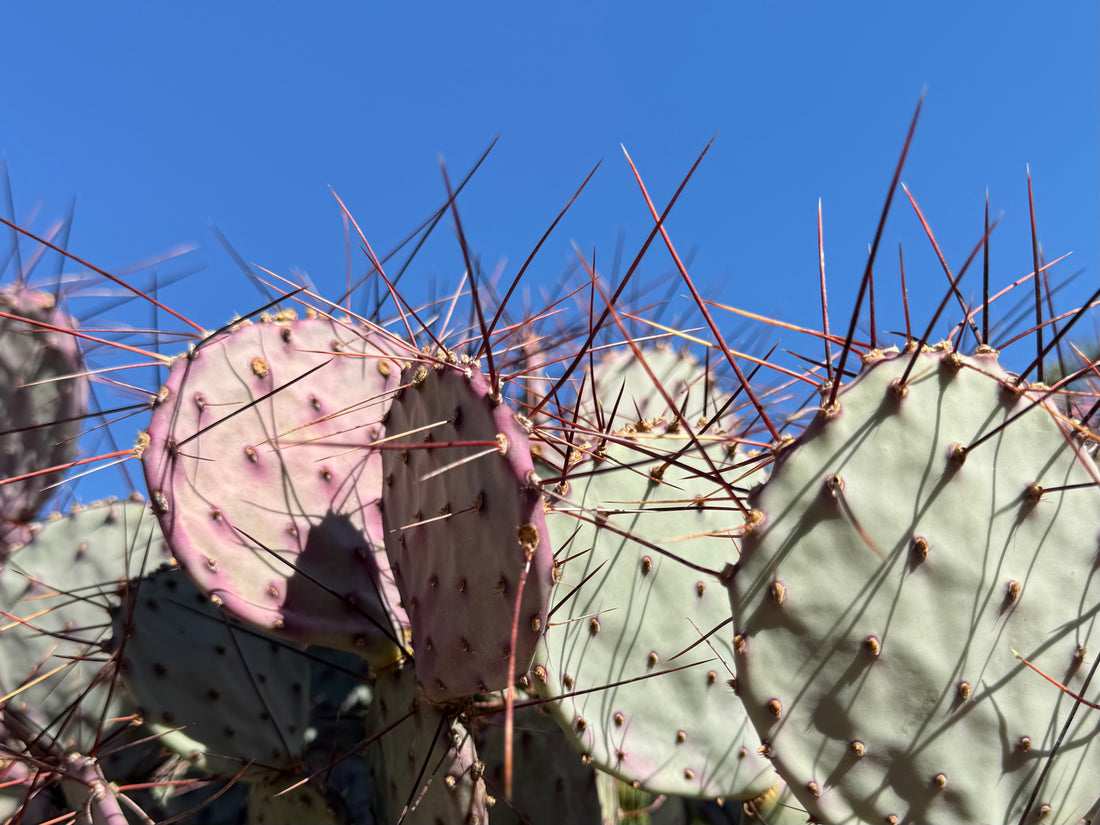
(43, 400)
(898, 564)
(464, 519)
(424, 764)
(61, 585)
(218, 693)
(624, 611)
(260, 467)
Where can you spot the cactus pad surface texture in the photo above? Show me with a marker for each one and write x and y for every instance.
(42, 397)
(624, 611)
(260, 468)
(215, 691)
(61, 585)
(464, 523)
(908, 543)
(424, 762)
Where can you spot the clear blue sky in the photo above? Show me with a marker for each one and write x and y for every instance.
(162, 118)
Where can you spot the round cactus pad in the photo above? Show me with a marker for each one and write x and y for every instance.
(260, 467)
(464, 519)
(624, 611)
(898, 563)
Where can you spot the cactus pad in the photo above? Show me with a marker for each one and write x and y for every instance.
(463, 516)
(62, 584)
(898, 563)
(217, 692)
(260, 468)
(680, 375)
(624, 611)
(421, 754)
(42, 404)
(551, 783)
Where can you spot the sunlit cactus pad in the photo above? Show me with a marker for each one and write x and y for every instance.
(624, 611)
(898, 563)
(260, 467)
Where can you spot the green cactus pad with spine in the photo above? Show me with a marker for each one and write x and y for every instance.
(877, 603)
(234, 694)
(260, 468)
(682, 733)
(63, 583)
(404, 727)
(463, 515)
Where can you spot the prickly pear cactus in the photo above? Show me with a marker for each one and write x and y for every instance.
(619, 384)
(424, 764)
(260, 468)
(551, 783)
(62, 585)
(215, 691)
(464, 522)
(626, 617)
(908, 542)
(43, 401)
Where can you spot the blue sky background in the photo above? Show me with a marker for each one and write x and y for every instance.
(161, 119)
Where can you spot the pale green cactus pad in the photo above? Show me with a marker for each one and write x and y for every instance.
(620, 384)
(623, 611)
(898, 563)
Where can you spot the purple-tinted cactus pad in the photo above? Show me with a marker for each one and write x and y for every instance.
(42, 405)
(261, 470)
(463, 513)
(904, 546)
